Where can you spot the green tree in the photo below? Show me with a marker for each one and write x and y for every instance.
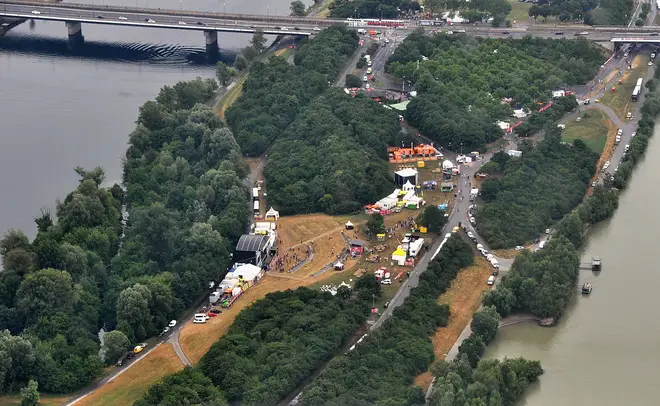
(30, 394)
(571, 227)
(367, 287)
(485, 323)
(433, 218)
(187, 387)
(115, 344)
(43, 293)
(224, 73)
(298, 8)
(353, 81)
(133, 308)
(376, 224)
(474, 348)
(258, 40)
(241, 63)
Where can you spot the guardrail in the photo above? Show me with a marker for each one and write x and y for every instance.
(152, 11)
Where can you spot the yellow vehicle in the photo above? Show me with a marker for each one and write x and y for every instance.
(368, 70)
(597, 101)
(455, 230)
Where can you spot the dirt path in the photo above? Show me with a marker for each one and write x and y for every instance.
(174, 340)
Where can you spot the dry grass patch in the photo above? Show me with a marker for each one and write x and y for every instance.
(135, 381)
(46, 400)
(464, 298)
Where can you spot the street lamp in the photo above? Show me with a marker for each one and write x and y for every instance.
(181, 5)
(268, 14)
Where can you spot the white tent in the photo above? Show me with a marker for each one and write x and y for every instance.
(272, 214)
(387, 203)
(339, 266)
(447, 164)
(249, 272)
(349, 225)
(408, 186)
(399, 256)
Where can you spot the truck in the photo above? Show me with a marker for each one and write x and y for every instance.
(255, 207)
(473, 194)
(255, 193)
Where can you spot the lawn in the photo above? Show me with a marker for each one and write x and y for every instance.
(519, 11)
(135, 381)
(620, 101)
(464, 298)
(46, 400)
(230, 97)
(592, 129)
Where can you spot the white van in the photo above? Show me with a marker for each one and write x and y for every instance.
(491, 280)
(480, 247)
(541, 245)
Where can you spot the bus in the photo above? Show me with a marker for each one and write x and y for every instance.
(636, 92)
(639, 82)
(364, 22)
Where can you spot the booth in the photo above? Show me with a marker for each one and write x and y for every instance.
(357, 247)
(339, 266)
(272, 214)
(406, 175)
(349, 225)
(399, 256)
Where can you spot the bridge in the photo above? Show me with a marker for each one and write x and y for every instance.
(210, 23)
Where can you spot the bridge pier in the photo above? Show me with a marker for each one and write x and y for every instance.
(212, 51)
(76, 38)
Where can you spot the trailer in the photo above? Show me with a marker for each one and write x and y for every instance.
(255, 193)
(255, 207)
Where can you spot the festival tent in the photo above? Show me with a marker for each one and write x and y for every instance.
(272, 214)
(399, 256)
(349, 225)
(447, 164)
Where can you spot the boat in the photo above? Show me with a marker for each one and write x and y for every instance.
(586, 288)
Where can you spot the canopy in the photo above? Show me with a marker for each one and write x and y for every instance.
(349, 224)
(272, 214)
(408, 186)
(406, 173)
(398, 253)
(447, 164)
(248, 272)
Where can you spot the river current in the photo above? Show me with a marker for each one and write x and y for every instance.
(59, 111)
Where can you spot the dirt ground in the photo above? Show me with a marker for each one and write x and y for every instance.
(133, 383)
(464, 297)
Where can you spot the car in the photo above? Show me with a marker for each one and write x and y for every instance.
(149, 20)
(212, 314)
(633, 134)
(626, 148)
(123, 18)
(650, 63)
(35, 12)
(629, 116)
(584, 33)
(100, 17)
(455, 229)
(386, 281)
(559, 33)
(182, 23)
(199, 321)
(472, 220)
(548, 231)
(387, 41)
(165, 331)
(130, 355)
(470, 235)
(365, 78)
(139, 348)
(505, 32)
(172, 323)
(285, 29)
(367, 86)
(587, 101)
(386, 304)
(296, 28)
(369, 70)
(317, 29)
(594, 183)
(653, 34)
(278, 28)
(626, 53)
(485, 253)
(216, 311)
(519, 248)
(597, 101)
(120, 361)
(619, 132)
(461, 31)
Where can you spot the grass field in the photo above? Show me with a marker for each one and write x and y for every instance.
(464, 298)
(620, 100)
(46, 400)
(230, 97)
(133, 383)
(519, 11)
(592, 129)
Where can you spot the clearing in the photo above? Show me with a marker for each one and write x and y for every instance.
(519, 11)
(592, 129)
(620, 100)
(135, 381)
(464, 298)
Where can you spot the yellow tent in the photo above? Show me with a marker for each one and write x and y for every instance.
(399, 256)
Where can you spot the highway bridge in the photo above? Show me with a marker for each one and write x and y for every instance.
(74, 15)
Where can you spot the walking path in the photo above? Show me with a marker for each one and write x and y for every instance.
(174, 340)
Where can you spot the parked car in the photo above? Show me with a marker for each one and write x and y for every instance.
(470, 235)
(559, 33)
(139, 348)
(35, 12)
(172, 323)
(211, 314)
(216, 311)
(386, 281)
(123, 18)
(317, 29)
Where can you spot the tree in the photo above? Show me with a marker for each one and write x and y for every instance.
(353, 81)
(376, 224)
(298, 8)
(30, 394)
(474, 348)
(241, 62)
(43, 293)
(115, 344)
(433, 218)
(258, 41)
(571, 227)
(133, 308)
(224, 73)
(187, 387)
(367, 287)
(485, 323)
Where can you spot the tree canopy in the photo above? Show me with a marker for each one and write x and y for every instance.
(608, 12)
(381, 369)
(532, 191)
(461, 81)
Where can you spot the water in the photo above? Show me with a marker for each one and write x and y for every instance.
(59, 111)
(604, 350)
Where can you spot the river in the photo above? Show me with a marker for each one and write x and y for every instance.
(604, 351)
(60, 111)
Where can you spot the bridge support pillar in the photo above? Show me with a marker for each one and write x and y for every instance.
(212, 51)
(76, 38)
